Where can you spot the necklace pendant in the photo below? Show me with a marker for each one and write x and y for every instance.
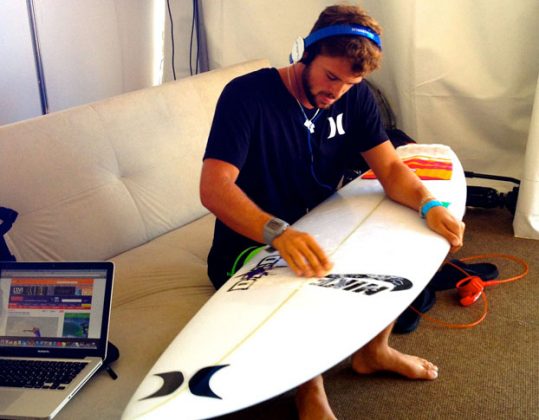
(310, 125)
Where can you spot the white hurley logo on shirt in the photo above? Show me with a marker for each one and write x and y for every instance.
(335, 127)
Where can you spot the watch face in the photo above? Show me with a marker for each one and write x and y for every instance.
(274, 224)
(273, 228)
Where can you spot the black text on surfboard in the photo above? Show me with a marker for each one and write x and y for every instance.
(367, 284)
(261, 269)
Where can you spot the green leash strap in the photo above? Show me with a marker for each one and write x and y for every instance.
(250, 252)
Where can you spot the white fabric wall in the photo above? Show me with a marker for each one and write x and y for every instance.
(182, 15)
(19, 94)
(457, 72)
(526, 221)
(463, 73)
(91, 50)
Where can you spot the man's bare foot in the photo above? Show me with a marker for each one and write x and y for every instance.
(366, 361)
(312, 402)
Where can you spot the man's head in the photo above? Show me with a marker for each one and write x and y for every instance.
(334, 64)
(362, 53)
(326, 79)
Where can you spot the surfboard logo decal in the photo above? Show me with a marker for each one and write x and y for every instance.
(199, 384)
(171, 382)
(367, 284)
(260, 270)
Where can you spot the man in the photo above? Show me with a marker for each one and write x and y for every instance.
(280, 142)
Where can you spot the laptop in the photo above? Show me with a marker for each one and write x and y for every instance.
(53, 316)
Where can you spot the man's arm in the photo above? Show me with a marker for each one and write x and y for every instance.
(220, 194)
(403, 186)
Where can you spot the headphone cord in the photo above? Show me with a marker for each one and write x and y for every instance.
(312, 162)
(309, 124)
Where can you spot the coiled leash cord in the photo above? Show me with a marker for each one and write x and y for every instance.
(471, 288)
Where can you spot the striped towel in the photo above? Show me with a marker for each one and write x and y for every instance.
(425, 167)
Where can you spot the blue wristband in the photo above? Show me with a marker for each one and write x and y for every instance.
(431, 204)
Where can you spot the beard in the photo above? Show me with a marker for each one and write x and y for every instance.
(309, 94)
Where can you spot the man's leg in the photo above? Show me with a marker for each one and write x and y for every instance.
(312, 402)
(377, 355)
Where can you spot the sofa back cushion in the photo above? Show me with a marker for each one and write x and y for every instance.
(94, 181)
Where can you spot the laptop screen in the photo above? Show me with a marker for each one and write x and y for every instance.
(54, 309)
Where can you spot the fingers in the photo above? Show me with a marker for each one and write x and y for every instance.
(444, 223)
(454, 233)
(457, 240)
(302, 253)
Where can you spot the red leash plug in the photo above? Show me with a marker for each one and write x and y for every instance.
(469, 289)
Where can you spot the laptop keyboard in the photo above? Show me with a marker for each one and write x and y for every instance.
(38, 373)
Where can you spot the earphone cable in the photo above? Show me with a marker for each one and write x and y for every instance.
(309, 124)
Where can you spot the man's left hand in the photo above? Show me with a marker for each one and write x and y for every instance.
(441, 221)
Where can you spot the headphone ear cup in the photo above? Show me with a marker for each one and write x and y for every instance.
(298, 49)
(469, 289)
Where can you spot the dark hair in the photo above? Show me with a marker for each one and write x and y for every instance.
(363, 53)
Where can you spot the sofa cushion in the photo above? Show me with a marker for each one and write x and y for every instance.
(172, 263)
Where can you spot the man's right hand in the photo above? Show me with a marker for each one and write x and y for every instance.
(302, 253)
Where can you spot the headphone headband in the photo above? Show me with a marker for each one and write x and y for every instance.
(336, 30)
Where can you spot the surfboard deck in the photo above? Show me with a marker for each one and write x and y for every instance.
(267, 331)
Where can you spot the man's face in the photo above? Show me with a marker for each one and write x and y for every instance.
(326, 79)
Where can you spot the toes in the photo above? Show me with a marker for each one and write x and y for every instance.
(428, 365)
(432, 374)
(431, 369)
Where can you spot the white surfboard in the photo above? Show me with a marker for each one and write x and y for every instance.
(267, 331)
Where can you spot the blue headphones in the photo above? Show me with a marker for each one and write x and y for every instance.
(300, 45)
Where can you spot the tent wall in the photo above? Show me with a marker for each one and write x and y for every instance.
(526, 221)
(181, 25)
(458, 72)
(90, 50)
(19, 93)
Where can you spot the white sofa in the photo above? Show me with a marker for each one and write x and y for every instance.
(118, 180)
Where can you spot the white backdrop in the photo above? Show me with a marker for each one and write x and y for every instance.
(96, 48)
(91, 50)
(19, 94)
(457, 72)
(526, 221)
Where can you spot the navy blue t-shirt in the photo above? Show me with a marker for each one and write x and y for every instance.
(259, 128)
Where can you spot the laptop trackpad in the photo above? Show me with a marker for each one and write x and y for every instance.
(8, 397)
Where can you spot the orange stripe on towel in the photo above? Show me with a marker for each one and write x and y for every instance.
(425, 167)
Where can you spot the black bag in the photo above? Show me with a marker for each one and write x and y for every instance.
(7, 218)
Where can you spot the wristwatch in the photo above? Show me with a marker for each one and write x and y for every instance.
(273, 228)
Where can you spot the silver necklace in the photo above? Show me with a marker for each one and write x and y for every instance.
(308, 122)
